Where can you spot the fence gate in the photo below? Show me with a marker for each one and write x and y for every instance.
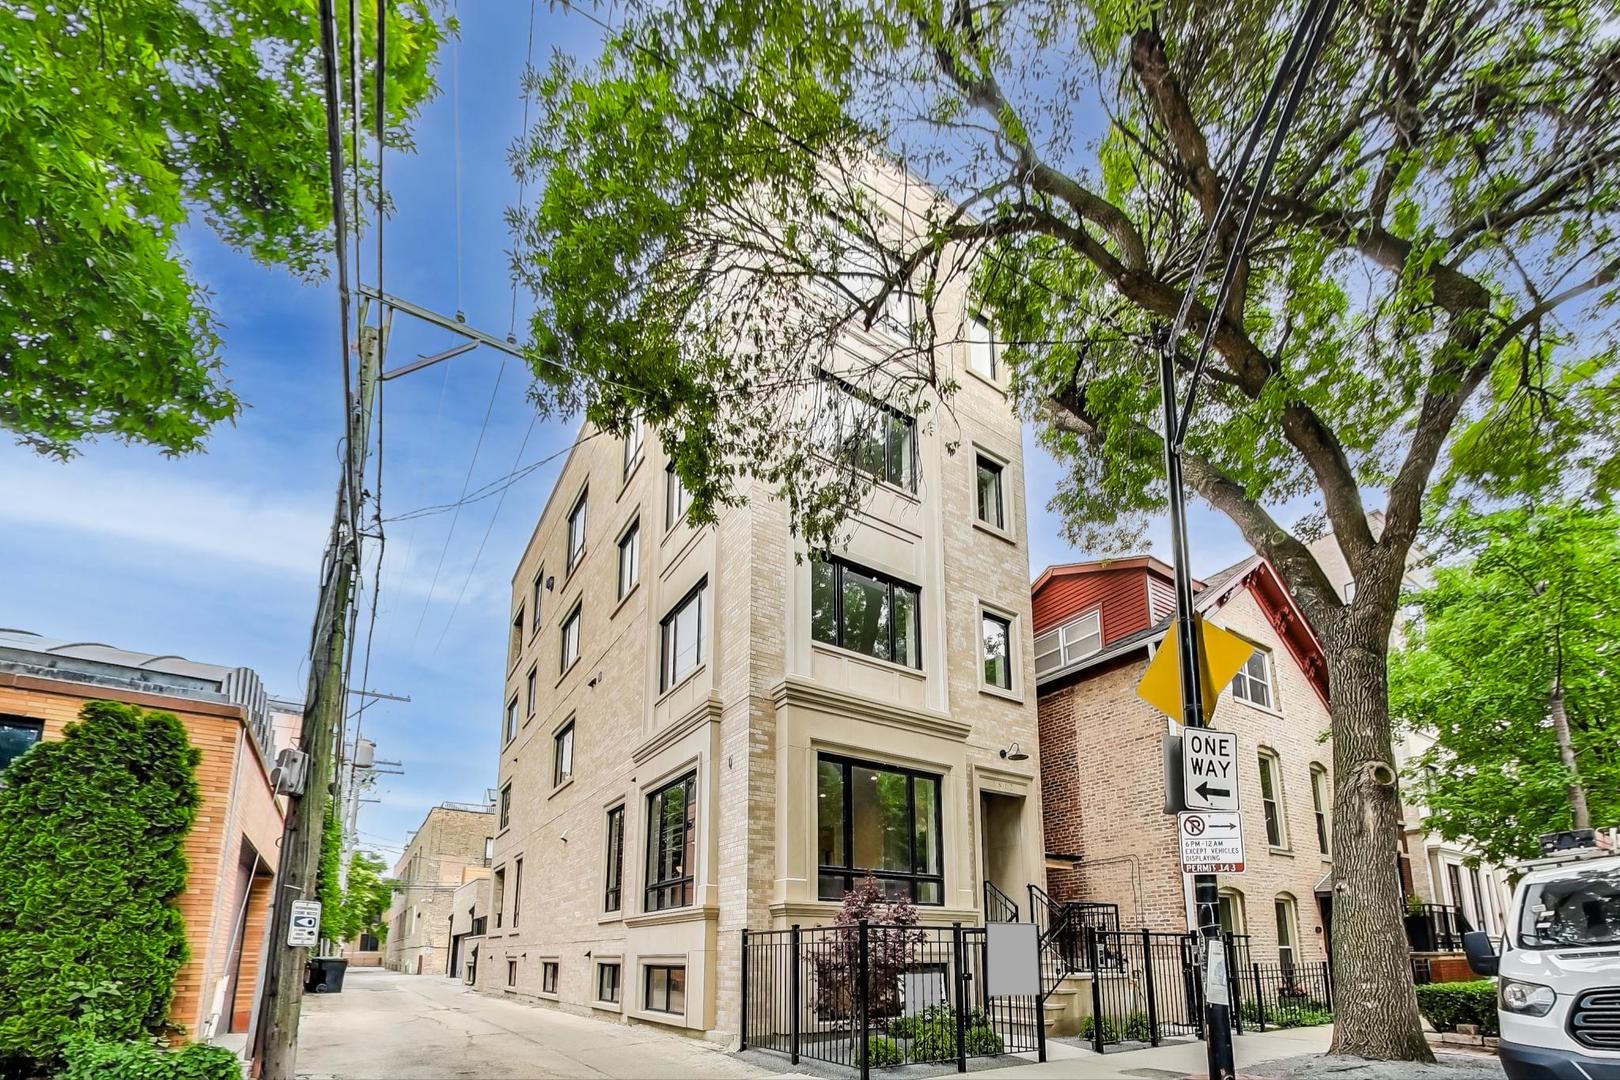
(874, 996)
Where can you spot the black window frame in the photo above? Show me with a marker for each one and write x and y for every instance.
(550, 972)
(613, 887)
(850, 872)
(510, 722)
(982, 462)
(673, 486)
(664, 894)
(538, 589)
(839, 566)
(531, 689)
(515, 645)
(631, 536)
(517, 890)
(505, 819)
(575, 618)
(1319, 807)
(562, 739)
(511, 970)
(635, 447)
(669, 982)
(846, 450)
(580, 511)
(1006, 623)
(613, 994)
(23, 723)
(667, 676)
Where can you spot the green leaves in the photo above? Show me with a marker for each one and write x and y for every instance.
(119, 124)
(92, 860)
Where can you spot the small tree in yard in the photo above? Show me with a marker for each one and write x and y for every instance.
(92, 836)
(891, 945)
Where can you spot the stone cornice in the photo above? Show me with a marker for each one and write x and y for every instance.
(796, 690)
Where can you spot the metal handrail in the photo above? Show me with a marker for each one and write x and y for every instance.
(998, 906)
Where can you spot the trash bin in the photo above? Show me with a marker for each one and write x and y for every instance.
(325, 974)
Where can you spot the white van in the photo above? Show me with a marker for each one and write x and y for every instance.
(1558, 996)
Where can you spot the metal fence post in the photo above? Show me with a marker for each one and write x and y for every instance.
(794, 1004)
(863, 1002)
(742, 1043)
(1096, 990)
(959, 950)
(1234, 983)
(1327, 985)
(1259, 998)
(1152, 995)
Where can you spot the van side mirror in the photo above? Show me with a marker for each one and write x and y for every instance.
(1480, 952)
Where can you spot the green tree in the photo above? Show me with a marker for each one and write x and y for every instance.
(92, 859)
(1447, 196)
(366, 898)
(121, 123)
(1512, 668)
(328, 877)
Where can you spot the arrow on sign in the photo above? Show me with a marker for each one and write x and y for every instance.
(1205, 791)
(1223, 826)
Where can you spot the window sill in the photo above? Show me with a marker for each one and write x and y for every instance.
(998, 692)
(982, 377)
(625, 599)
(608, 1006)
(548, 995)
(999, 533)
(610, 917)
(1265, 709)
(667, 1019)
(689, 913)
(557, 789)
(875, 661)
(1285, 852)
(665, 695)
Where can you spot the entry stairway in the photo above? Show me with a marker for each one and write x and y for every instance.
(1066, 971)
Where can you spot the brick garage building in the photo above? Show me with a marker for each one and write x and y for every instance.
(231, 850)
(1107, 836)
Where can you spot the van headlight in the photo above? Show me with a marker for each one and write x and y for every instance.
(1530, 999)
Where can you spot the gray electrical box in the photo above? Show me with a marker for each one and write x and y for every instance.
(291, 773)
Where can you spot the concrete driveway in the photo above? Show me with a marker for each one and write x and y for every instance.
(426, 1027)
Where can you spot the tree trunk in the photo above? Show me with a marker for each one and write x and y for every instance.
(1375, 1007)
(1581, 817)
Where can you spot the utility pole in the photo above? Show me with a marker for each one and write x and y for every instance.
(323, 716)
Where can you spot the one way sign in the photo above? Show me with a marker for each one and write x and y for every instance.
(1209, 769)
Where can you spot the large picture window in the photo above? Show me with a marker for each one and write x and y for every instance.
(882, 819)
(681, 639)
(671, 844)
(868, 434)
(865, 611)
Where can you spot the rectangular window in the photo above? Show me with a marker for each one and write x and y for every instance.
(497, 895)
(871, 436)
(534, 603)
(548, 976)
(489, 850)
(506, 805)
(1252, 683)
(629, 559)
(570, 638)
(671, 844)
(511, 971)
(576, 532)
(1271, 796)
(1319, 802)
(666, 989)
(989, 493)
(882, 819)
(17, 736)
(676, 497)
(681, 639)
(997, 634)
(613, 895)
(1072, 641)
(511, 721)
(607, 983)
(981, 347)
(514, 648)
(1285, 933)
(517, 890)
(562, 754)
(865, 611)
(632, 446)
(531, 690)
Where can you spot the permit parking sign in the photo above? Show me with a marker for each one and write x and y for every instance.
(1211, 842)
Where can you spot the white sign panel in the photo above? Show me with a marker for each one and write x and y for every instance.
(1209, 769)
(305, 928)
(1012, 959)
(1211, 843)
(1217, 991)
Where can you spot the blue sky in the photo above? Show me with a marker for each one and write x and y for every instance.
(215, 556)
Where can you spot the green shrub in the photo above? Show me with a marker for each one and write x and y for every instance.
(904, 1027)
(92, 859)
(1445, 1005)
(1137, 1028)
(1088, 1029)
(1306, 1013)
(147, 1059)
(982, 1041)
(881, 1052)
(936, 1039)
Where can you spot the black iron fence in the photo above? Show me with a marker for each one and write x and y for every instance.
(1144, 987)
(1281, 995)
(874, 996)
(1435, 928)
(998, 906)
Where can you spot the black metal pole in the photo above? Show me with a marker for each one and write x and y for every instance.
(1206, 896)
(795, 1005)
(863, 1002)
(742, 1041)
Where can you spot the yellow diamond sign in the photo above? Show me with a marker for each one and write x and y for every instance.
(1222, 653)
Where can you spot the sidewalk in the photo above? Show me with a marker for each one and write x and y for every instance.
(1165, 1062)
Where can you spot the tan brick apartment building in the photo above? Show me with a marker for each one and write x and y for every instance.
(1107, 836)
(707, 730)
(231, 850)
(452, 847)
